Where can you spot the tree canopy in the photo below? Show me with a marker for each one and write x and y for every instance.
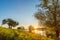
(49, 14)
(11, 23)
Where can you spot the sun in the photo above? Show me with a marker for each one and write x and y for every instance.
(35, 28)
(35, 31)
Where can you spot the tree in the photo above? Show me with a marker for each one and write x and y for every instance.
(31, 28)
(49, 14)
(11, 23)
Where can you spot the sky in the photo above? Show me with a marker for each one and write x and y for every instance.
(19, 10)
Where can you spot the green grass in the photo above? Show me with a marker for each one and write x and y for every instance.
(14, 34)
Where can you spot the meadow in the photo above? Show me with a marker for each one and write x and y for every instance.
(17, 34)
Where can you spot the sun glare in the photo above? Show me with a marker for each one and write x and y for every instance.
(35, 31)
(35, 28)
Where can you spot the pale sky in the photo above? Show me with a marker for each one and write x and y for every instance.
(19, 10)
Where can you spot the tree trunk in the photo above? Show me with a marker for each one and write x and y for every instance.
(55, 20)
(57, 34)
(10, 27)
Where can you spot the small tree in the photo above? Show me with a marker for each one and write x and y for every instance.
(31, 28)
(11, 23)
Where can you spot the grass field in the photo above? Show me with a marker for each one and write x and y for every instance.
(15, 34)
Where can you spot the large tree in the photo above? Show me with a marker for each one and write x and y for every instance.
(49, 14)
(11, 23)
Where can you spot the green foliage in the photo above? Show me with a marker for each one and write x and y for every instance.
(50, 32)
(15, 34)
(11, 23)
(49, 14)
